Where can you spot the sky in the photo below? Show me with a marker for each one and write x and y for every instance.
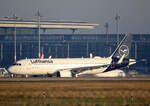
(134, 14)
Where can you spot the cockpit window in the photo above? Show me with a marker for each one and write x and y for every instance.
(18, 64)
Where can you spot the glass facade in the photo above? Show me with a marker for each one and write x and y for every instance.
(70, 45)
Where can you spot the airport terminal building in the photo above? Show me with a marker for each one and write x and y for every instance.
(67, 45)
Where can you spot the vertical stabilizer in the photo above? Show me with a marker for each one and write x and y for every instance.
(123, 48)
(120, 57)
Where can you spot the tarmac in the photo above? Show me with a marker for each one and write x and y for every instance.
(47, 79)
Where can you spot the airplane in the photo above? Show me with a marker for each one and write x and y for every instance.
(73, 67)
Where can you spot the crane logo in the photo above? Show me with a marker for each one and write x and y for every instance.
(124, 50)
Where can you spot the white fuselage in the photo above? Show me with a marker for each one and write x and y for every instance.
(50, 66)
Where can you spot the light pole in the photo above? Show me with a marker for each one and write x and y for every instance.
(68, 47)
(15, 19)
(1, 51)
(106, 27)
(87, 49)
(39, 16)
(117, 18)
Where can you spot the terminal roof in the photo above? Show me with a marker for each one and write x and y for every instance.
(45, 24)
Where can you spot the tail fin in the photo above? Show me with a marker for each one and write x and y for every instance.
(120, 57)
(123, 48)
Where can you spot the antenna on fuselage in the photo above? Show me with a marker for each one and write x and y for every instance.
(91, 55)
(50, 57)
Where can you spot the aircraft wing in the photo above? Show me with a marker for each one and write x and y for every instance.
(75, 71)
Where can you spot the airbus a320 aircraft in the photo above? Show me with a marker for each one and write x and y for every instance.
(73, 67)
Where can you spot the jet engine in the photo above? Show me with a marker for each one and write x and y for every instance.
(64, 73)
(113, 73)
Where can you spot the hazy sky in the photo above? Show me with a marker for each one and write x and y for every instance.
(134, 14)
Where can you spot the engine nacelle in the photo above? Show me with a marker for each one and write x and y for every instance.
(64, 73)
(113, 73)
